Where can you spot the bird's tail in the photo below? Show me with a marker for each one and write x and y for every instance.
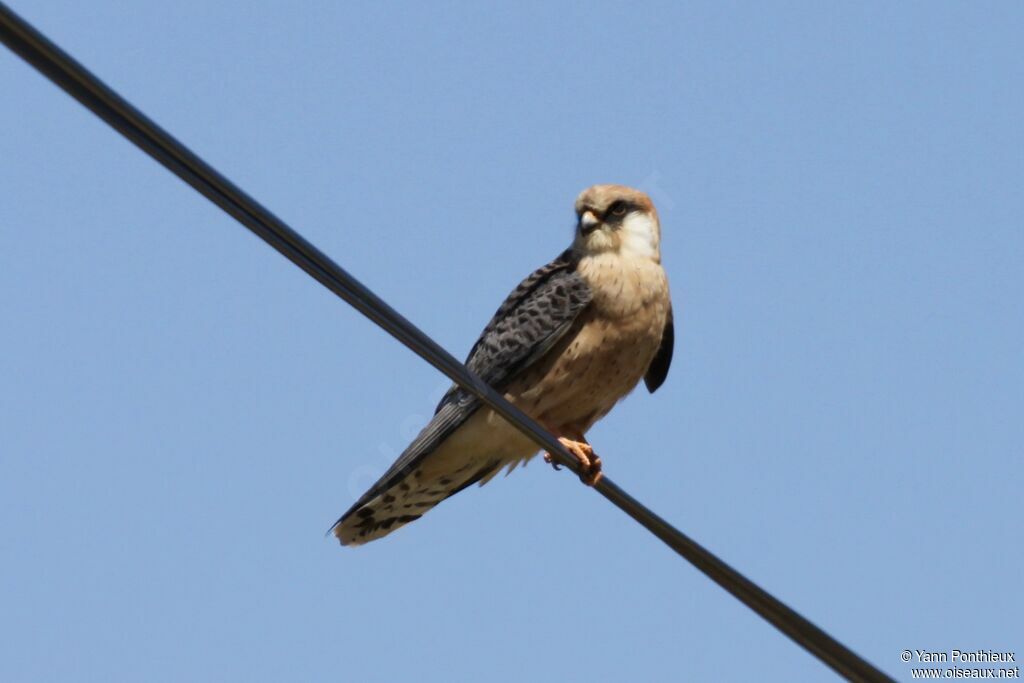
(405, 501)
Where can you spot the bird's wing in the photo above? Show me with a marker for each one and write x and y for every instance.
(530, 321)
(657, 371)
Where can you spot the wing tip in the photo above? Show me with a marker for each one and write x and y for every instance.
(657, 372)
(653, 384)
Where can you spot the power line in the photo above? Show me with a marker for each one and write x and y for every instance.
(78, 82)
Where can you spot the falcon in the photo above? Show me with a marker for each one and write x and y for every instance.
(568, 343)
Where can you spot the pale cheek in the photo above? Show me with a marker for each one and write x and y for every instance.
(640, 237)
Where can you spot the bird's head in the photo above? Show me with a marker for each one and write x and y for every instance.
(617, 219)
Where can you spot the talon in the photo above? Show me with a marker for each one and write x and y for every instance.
(590, 463)
(593, 473)
(551, 461)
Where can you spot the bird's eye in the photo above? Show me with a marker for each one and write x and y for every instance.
(618, 208)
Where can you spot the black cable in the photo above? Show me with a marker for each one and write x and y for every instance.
(78, 82)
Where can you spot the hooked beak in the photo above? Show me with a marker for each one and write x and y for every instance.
(588, 223)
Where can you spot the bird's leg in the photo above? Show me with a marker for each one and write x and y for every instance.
(590, 463)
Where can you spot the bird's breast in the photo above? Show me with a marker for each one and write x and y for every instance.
(607, 351)
(624, 287)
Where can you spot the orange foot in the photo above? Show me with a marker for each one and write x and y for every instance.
(590, 463)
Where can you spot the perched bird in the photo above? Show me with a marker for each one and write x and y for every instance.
(567, 344)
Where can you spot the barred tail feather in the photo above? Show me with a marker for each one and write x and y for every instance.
(406, 501)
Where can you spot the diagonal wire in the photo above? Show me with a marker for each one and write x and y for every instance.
(78, 82)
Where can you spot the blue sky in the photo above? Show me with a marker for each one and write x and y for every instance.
(183, 413)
